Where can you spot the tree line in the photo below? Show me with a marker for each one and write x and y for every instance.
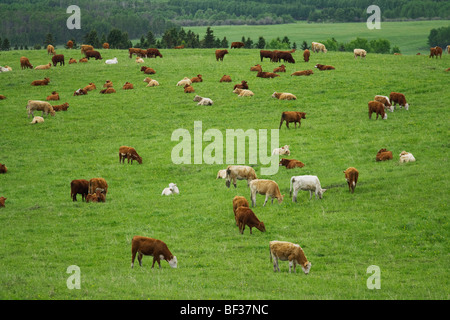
(24, 22)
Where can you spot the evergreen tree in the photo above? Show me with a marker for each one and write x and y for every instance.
(248, 43)
(304, 45)
(91, 38)
(261, 43)
(6, 45)
(224, 43)
(151, 41)
(49, 40)
(208, 40)
(115, 39)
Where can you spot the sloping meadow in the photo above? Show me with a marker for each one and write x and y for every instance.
(396, 219)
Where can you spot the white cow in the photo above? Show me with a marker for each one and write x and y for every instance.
(281, 151)
(111, 61)
(172, 189)
(306, 183)
(406, 157)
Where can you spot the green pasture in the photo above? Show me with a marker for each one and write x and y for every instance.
(397, 219)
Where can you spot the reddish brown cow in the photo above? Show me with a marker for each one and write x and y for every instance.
(378, 108)
(383, 155)
(246, 217)
(127, 86)
(436, 51)
(291, 163)
(108, 90)
(2, 201)
(266, 54)
(130, 154)
(61, 107)
(58, 58)
(306, 55)
(220, 54)
(302, 73)
(242, 85)
(292, 116)
(324, 67)
(351, 175)
(54, 96)
(151, 247)
(281, 68)
(3, 168)
(198, 78)
(79, 186)
(263, 74)
(25, 63)
(225, 78)
(237, 45)
(40, 82)
(148, 70)
(153, 52)
(93, 54)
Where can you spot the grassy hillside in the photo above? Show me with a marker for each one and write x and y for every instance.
(397, 218)
(411, 37)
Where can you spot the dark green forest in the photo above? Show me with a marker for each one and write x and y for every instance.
(27, 22)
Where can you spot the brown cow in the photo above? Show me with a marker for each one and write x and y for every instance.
(108, 90)
(130, 154)
(61, 107)
(151, 247)
(153, 52)
(105, 45)
(266, 54)
(25, 63)
(3, 168)
(306, 55)
(93, 54)
(148, 70)
(58, 58)
(302, 73)
(237, 45)
(86, 47)
(198, 78)
(2, 201)
(256, 67)
(246, 217)
(383, 155)
(79, 186)
(40, 82)
(50, 49)
(239, 201)
(225, 78)
(69, 44)
(220, 54)
(95, 183)
(281, 68)
(54, 96)
(242, 85)
(292, 116)
(291, 163)
(323, 67)
(127, 86)
(378, 108)
(436, 51)
(398, 98)
(263, 74)
(188, 88)
(351, 175)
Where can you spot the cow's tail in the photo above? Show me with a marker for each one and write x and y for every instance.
(282, 119)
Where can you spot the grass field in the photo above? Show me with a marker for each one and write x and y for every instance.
(411, 36)
(397, 218)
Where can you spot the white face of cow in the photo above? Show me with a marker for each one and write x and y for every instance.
(306, 268)
(385, 116)
(407, 106)
(321, 192)
(173, 262)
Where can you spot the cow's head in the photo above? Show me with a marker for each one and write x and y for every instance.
(284, 162)
(306, 267)
(173, 262)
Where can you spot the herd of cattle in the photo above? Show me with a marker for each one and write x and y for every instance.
(95, 190)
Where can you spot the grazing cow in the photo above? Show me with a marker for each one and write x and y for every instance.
(292, 116)
(72, 60)
(135, 51)
(281, 68)
(242, 85)
(282, 55)
(323, 67)
(184, 82)
(306, 55)
(284, 96)
(25, 63)
(239, 201)
(262, 74)
(239, 173)
(383, 155)
(130, 154)
(90, 87)
(151, 82)
(112, 61)
(359, 53)
(203, 101)
(53, 97)
(198, 78)
(306, 183)
(246, 217)
(36, 105)
(378, 108)
(43, 67)
(317, 46)
(220, 54)
(399, 98)
(153, 52)
(151, 247)
(291, 163)
(266, 54)
(93, 54)
(50, 49)
(79, 186)
(2, 202)
(61, 107)
(406, 157)
(225, 78)
(108, 90)
(100, 183)
(256, 67)
(37, 120)
(237, 45)
(44, 82)
(3, 168)
(188, 89)
(85, 48)
(384, 100)
(351, 175)
(243, 92)
(105, 45)
(302, 73)
(127, 86)
(283, 250)
(436, 51)
(281, 151)
(265, 187)
(58, 58)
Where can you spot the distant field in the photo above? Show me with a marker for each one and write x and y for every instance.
(411, 37)
(397, 219)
